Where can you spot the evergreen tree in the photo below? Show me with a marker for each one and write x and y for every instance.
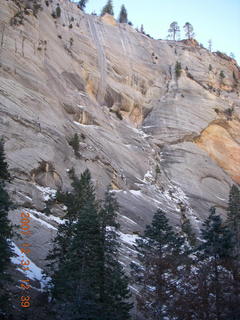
(88, 281)
(216, 249)
(174, 30)
(108, 8)
(115, 292)
(188, 232)
(6, 233)
(159, 255)
(233, 218)
(58, 11)
(178, 69)
(74, 141)
(123, 16)
(210, 45)
(188, 30)
(233, 222)
(77, 255)
(4, 174)
(206, 284)
(82, 4)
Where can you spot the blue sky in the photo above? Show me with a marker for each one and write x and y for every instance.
(218, 20)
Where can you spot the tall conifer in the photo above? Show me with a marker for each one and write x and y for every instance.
(6, 233)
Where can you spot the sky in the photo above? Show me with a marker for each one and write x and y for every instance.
(218, 20)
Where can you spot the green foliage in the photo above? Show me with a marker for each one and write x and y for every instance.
(178, 69)
(229, 112)
(173, 30)
(108, 8)
(188, 231)
(188, 30)
(6, 233)
(88, 281)
(123, 16)
(217, 238)
(234, 77)
(158, 171)
(82, 4)
(4, 174)
(58, 12)
(222, 75)
(158, 253)
(74, 143)
(233, 218)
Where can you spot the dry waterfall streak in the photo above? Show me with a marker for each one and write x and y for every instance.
(127, 49)
(101, 60)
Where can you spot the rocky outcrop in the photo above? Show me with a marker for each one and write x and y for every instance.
(158, 140)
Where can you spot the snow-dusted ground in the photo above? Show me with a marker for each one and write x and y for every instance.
(49, 217)
(34, 272)
(47, 192)
(41, 221)
(128, 238)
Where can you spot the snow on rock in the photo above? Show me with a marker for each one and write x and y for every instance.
(34, 272)
(49, 217)
(41, 221)
(136, 193)
(47, 192)
(128, 219)
(128, 238)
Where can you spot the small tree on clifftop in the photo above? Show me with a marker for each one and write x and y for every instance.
(123, 17)
(188, 30)
(174, 30)
(82, 4)
(108, 8)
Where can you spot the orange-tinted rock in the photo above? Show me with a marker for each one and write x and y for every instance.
(223, 147)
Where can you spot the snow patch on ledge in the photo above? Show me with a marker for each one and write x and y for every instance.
(128, 238)
(47, 192)
(128, 219)
(49, 217)
(34, 272)
(136, 193)
(41, 221)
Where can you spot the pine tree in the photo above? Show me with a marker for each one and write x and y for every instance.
(233, 222)
(216, 250)
(123, 16)
(58, 11)
(159, 255)
(6, 233)
(189, 30)
(74, 141)
(206, 284)
(188, 231)
(233, 218)
(88, 281)
(178, 69)
(82, 4)
(115, 292)
(210, 45)
(108, 8)
(77, 255)
(174, 30)
(4, 174)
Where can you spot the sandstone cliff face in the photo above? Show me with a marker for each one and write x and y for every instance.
(81, 74)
